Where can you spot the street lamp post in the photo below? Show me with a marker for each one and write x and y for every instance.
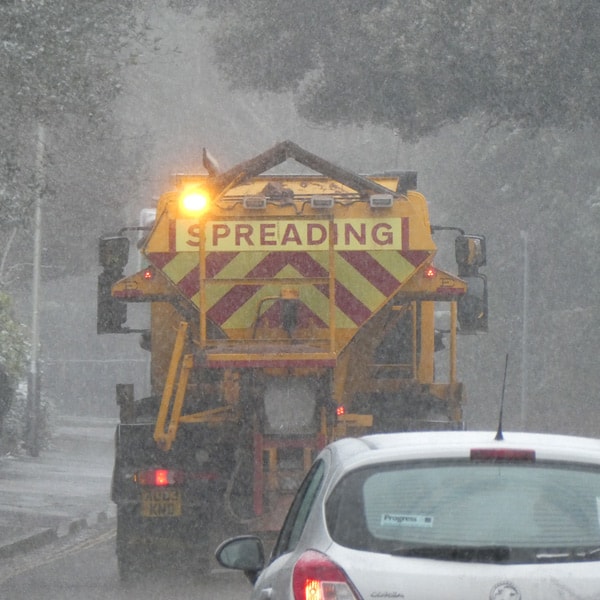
(524, 364)
(33, 379)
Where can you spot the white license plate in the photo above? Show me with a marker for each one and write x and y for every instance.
(161, 502)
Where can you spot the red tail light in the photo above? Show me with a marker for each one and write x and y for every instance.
(158, 477)
(316, 577)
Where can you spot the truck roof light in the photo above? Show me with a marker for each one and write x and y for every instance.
(149, 273)
(255, 202)
(381, 200)
(194, 201)
(430, 272)
(322, 202)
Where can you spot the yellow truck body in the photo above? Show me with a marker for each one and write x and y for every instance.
(288, 311)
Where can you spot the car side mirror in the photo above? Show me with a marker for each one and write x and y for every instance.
(244, 553)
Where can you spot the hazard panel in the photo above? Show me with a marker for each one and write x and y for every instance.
(247, 263)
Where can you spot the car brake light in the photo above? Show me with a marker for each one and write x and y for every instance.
(316, 577)
(158, 477)
(502, 454)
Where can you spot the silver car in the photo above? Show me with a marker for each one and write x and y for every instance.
(457, 515)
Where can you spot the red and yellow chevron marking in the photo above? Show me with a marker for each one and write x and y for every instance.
(365, 280)
(250, 268)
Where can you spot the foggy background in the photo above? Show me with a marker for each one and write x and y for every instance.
(162, 96)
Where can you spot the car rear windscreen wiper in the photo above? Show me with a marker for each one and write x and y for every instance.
(484, 554)
(569, 554)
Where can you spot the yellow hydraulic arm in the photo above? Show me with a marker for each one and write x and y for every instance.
(170, 406)
(173, 397)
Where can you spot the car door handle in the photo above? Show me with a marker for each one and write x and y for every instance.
(266, 593)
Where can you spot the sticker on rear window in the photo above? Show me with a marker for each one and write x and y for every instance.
(403, 520)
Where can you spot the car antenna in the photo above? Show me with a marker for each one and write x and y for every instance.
(499, 435)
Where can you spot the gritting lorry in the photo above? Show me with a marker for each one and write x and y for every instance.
(286, 311)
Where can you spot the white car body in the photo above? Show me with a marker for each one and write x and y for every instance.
(554, 573)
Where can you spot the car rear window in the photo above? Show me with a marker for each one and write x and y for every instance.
(547, 508)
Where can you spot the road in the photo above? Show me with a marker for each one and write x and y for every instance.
(64, 491)
(84, 566)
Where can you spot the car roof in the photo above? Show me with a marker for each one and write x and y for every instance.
(356, 452)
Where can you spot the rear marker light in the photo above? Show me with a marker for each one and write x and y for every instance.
(316, 577)
(158, 477)
(381, 201)
(164, 477)
(322, 202)
(502, 455)
(255, 202)
(161, 477)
